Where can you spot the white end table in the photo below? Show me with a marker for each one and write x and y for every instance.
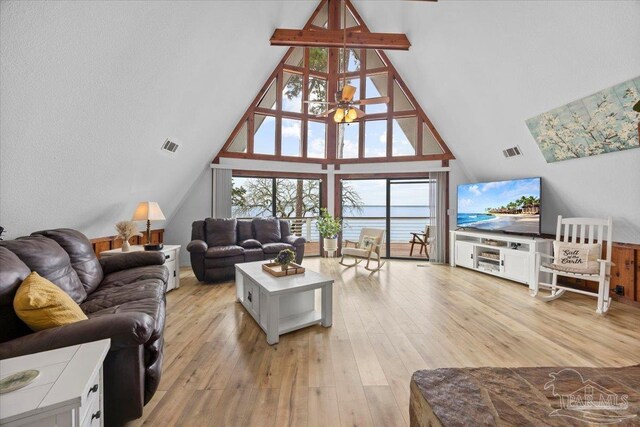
(283, 304)
(172, 261)
(68, 391)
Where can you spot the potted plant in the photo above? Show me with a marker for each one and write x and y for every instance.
(126, 230)
(329, 227)
(284, 258)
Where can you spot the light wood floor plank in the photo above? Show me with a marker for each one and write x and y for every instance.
(218, 369)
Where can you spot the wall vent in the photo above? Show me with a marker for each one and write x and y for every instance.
(512, 152)
(169, 146)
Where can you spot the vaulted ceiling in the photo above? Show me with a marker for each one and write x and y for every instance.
(90, 90)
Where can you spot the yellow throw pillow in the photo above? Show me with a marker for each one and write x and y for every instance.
(42, 305)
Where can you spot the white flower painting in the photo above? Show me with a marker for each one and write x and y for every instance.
(600, 123)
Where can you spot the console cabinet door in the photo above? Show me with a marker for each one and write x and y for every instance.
(464, 254)
(516, 265)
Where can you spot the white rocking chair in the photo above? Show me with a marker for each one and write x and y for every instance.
(367, 247)
(583, 231)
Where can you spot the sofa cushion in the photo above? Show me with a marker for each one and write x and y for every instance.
(135, 275)
(245, 229)
(274, 248)
(142, 291)
(251, 255)
(42, 305)
(83, 258)
(230, 261)
(267, 230)
(50, 261)
(12, 273)
(250, 244)
(224, 251)
(221, 231)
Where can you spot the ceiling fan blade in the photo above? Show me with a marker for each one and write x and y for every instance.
(347, 92)
(359, 112)
(369, 101)
(320, 102)
(326, 113)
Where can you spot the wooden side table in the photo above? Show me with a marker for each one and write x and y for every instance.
(68, 392)
(172, 261)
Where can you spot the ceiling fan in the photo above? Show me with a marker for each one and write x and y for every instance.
(344, 105)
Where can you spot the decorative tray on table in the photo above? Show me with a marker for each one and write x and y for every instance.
(276, 269)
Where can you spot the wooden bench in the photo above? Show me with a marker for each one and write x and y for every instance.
(554, 396)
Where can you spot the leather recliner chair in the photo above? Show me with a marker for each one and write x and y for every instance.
(218, 244)
(123, 296)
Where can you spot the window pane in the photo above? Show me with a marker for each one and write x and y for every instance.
(375, 138)
(239, 144)
(316, 140)
(264, 134)
(322, 18)
(353, 60)
(291, 137)
(404, 136)
(251, 197)
(317, 92)
(374, 60)
(296, 58)
(269, 98)
(429, 143)
(348, 139)
(292, 92)
(400, 100)
(318, 59)
(376, 86)
(351, 20)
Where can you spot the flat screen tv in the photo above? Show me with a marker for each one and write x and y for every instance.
(507, 206)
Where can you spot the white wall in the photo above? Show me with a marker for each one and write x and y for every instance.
(481, 68)
(91, 89)
(195, 205)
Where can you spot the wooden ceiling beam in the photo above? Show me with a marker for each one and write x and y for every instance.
(335, 38)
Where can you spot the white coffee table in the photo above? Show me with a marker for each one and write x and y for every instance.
(283, 304)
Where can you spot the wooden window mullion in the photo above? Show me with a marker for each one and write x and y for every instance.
(390, 77)
(279, 89)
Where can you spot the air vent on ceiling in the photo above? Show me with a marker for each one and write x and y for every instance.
(170, 146)
(512, 152)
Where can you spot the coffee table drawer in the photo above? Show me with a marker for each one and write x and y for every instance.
(252, 298)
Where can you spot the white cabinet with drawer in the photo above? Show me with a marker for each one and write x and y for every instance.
(68, 392)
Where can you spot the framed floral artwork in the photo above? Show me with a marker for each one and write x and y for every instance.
(596, 124)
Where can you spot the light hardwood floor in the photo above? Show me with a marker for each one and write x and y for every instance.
(219, 370)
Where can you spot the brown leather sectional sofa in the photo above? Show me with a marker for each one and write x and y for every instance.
(123, 296)
(218, 244)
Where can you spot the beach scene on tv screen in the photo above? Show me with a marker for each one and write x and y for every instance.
(511, 206)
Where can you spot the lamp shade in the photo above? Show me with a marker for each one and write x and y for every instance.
(148, 211)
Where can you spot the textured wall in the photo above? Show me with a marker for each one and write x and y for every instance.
(91, 89)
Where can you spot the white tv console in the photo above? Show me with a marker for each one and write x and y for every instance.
(508, 256)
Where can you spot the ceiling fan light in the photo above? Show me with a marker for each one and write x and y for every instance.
(339, 115)
(348, 118)
(352, 114)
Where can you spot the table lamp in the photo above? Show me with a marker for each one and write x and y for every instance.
(149, 211)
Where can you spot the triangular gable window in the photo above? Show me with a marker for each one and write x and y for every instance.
(283, 124)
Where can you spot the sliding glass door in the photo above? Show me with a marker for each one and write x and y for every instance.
(399, 206)
(296, 200)
(409, 218)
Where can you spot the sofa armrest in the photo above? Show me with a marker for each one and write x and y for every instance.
(197, 246)
(130, 260)
(124, 329)
(294, 240)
